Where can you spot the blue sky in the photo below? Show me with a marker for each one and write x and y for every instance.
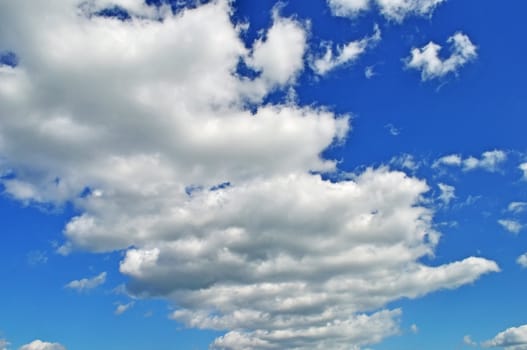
(322, 174)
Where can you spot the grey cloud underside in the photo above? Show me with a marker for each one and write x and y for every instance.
(140, 111)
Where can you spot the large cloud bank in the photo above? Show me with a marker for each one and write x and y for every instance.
(143, 126)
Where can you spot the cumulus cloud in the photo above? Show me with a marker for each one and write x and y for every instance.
(514, 338)
(428, 60)
(396, 10)
(143, 126)
(522, 260)
(41, 345)
(489, 161)
(345, 54)
(87, 283)
(4, 344)
(512, 226)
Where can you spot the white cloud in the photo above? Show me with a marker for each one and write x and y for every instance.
(369, 72)
(122, 308)
(427, 59)
(41, 345)
(4, 344)
(523, 167)
(451, 160)
(522, 260)
(512, 226)
(467, 340)
(135, 114)
(447, 193)
(414, 328)
(517, 207)
(345, 54)
(405, 161)
(279, 55)
(396, 10)
(87, 283)
(394, 131)
(489, 161)
(514, 338)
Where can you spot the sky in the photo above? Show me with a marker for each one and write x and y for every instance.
(236, 174)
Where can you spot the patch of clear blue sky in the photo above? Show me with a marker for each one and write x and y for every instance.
(482, 108)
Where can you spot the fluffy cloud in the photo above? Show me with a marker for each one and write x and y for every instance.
(142, 125)
(41, 345)
(512, 226)
(87, 283)
(489, 161)
(346, 54)
(396, 10)
(4, 344)
(522, 260)
(514, 338)
(428, 60)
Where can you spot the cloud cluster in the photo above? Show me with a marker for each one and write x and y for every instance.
(428, 60)
(87, 283)
(143, 126)
(489, 161)
(514, 338)
(41, 345)
(523, 168)
(4, 344)
(395, 10)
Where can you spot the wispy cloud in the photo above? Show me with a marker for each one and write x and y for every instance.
(489, 161)
(87, 283)
(512, 226)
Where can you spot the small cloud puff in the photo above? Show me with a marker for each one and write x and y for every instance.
(431, 65)
(122, 308)
(522, 260)
(41, 345)
(345, 54)
(87, 283)
(447, 193)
